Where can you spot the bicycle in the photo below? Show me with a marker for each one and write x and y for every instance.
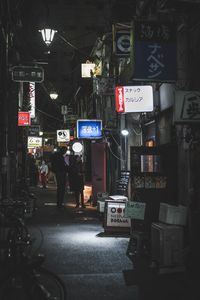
(22, 275)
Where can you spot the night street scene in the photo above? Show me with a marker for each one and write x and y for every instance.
(99, 150)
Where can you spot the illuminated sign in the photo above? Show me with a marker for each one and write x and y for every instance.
(63, 135)
(89, 129)
(27, 74)
(87, 70)
(34, 142)
(134, 98)
(77, 147)
(32, 98)
(116, 215)
(23, 118)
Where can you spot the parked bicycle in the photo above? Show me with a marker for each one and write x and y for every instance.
(22, 276)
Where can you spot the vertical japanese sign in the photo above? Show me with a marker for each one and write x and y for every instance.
(32, 99)
(154, 51)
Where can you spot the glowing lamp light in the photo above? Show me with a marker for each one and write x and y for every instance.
(125, 132)
(53, 95)
(47, 35)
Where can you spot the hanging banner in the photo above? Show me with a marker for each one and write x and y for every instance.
(154, 51)
(134, 98)
(24, 118)
(32, 99)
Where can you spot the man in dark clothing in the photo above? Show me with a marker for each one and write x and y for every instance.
(76, 179)
(60, 168)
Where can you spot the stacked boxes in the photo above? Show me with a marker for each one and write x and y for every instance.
(167, 236)
(173, 215)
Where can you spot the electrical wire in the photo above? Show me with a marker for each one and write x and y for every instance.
(48, 115)
(112, 151)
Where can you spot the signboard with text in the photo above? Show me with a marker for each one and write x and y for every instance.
(187, 107)
(34, 142)
(34, 130)
(63, 135)
(154, 51)
(27, 74)
(24, 118)
(32, 98)
(122, 42)
(115, 215)
(89, 129)
(135, 210)
(134, 98)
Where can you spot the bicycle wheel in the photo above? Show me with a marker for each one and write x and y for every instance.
(43, 285)
(51, 283)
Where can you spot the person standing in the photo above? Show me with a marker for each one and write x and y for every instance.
(59, 168)
(43, 173)
(76, 179)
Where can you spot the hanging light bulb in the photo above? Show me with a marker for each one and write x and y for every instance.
(53, 95)
(47, 35)
(124, 132)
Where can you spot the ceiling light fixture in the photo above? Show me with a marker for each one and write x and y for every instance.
(47, 35)
(53, 95)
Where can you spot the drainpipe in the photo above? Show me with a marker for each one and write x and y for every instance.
(4, 101)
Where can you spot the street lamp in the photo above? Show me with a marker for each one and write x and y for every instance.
(47, 35)
(125, 133)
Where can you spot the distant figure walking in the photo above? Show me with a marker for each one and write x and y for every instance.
(76, 179)
(33, 172)
(60, 168)
(43, 173)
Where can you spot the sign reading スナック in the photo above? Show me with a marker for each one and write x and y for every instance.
(134, 98)
(154, 51)
(63, 135)
(115, 215)
(187, 107)
(24, 118)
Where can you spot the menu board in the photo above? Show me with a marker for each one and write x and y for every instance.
(122, 182)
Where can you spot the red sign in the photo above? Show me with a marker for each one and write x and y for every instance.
(24, 118)
(119, 99)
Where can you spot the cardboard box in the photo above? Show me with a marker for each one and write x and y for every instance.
(172, 214)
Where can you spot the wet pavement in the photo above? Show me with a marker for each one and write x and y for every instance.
(93, 264)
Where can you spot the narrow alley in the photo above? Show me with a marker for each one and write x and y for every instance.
(92, 263)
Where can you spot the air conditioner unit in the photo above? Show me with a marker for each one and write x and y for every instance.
(166, 244)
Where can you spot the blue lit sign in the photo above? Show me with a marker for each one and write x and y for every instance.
(89, 129)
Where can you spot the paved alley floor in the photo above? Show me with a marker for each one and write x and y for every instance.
(93, 265)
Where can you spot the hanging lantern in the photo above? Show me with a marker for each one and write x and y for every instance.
(47, 35)
(53, 95)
